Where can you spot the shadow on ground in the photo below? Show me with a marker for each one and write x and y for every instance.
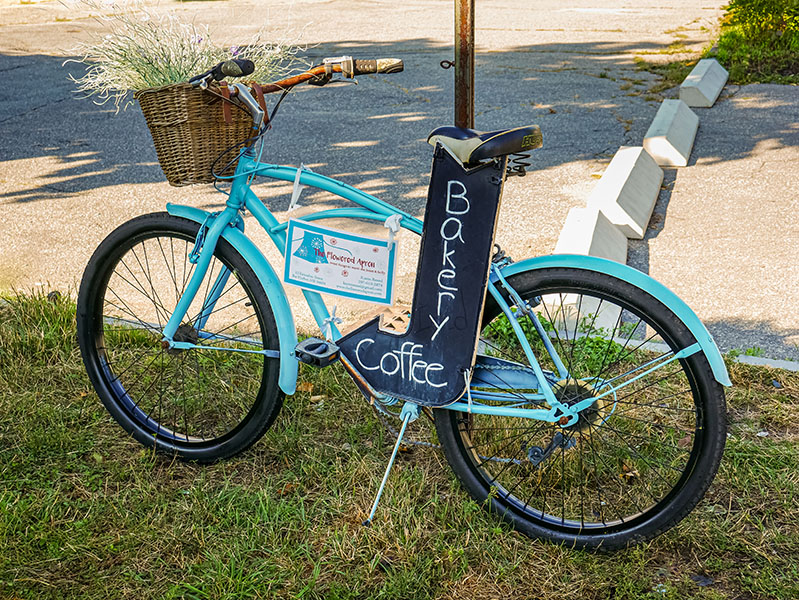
(589, 99)
(757, 336)
(586, 97)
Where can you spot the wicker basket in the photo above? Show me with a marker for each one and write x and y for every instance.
(189, 130)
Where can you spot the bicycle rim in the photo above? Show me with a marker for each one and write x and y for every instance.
(206, 402)
(627, 467)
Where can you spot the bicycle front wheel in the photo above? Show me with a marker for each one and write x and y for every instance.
(205, 403)
(640, 456)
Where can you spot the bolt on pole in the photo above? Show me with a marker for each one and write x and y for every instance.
(464, 63)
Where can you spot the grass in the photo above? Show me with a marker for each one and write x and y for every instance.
(759, 41)
(671, 74)
(768, 59)
(749, 55)
(754, 351)
(85, 512)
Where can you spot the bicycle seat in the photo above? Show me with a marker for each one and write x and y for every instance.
(472, 146)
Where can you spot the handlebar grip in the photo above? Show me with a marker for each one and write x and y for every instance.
(236, 67)
(380, 65)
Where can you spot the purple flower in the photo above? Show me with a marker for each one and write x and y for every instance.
(234, 50)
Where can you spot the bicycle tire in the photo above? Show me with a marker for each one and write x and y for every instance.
(201, 404)
(637, 462)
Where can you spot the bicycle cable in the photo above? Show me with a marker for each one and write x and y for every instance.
(219, 175)
(382, 414)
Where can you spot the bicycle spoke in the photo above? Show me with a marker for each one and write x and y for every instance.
(659, 403)
(152, 285)
(144, 325)
(217, 310)
(656, 425)
(154, 299)
(233, 324)
(141, 290)
(166, 260)
(624, 453)
(205, 306)
(111, 364)
(601, 371)
(591, 430)
(178, 395)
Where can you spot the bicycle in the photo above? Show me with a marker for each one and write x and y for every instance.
(576, 398)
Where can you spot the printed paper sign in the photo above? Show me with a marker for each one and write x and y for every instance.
(341, 263)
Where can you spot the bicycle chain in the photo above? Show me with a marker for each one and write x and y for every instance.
(383, 414)
(502, 367)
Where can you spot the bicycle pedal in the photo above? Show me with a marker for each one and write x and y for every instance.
(316, 352)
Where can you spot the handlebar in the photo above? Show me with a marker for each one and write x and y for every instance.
(380, 65)
(320, 74)
(290, 82)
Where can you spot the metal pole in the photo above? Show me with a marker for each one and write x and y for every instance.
(464, 63)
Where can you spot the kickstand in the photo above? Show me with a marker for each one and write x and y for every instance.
(409, 413)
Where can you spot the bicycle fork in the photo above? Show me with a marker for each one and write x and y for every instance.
(207, 239)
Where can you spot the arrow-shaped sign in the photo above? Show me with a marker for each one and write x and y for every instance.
(427, 363)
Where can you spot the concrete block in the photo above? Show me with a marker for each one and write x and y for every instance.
(671, 135)
(704, 84)
(588, 231)
(628, 190)
(575, 316)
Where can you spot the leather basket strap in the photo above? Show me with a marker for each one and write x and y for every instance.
(226, 104)
(259, 95)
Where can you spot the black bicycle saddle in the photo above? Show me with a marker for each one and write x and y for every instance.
(472, 146)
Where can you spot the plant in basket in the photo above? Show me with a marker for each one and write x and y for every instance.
(153, 55)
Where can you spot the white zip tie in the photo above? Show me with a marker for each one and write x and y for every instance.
(298, 187)
(467, 377)
(393, 226)
(327, 325)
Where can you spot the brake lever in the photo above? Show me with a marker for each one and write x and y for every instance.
(201, 81)
(352, 81)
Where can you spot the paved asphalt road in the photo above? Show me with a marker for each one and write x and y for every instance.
(71, 171)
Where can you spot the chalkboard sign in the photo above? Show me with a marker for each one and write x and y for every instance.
(426, 364)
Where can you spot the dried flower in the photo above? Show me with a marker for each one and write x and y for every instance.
(145, 50)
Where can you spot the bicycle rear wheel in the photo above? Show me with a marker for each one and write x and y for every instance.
(201, 404)
(637, 460)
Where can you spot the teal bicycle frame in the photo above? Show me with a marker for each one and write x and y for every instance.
(229, 225)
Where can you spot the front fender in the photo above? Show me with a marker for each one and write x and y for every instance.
(287, 334)
(639, 280)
